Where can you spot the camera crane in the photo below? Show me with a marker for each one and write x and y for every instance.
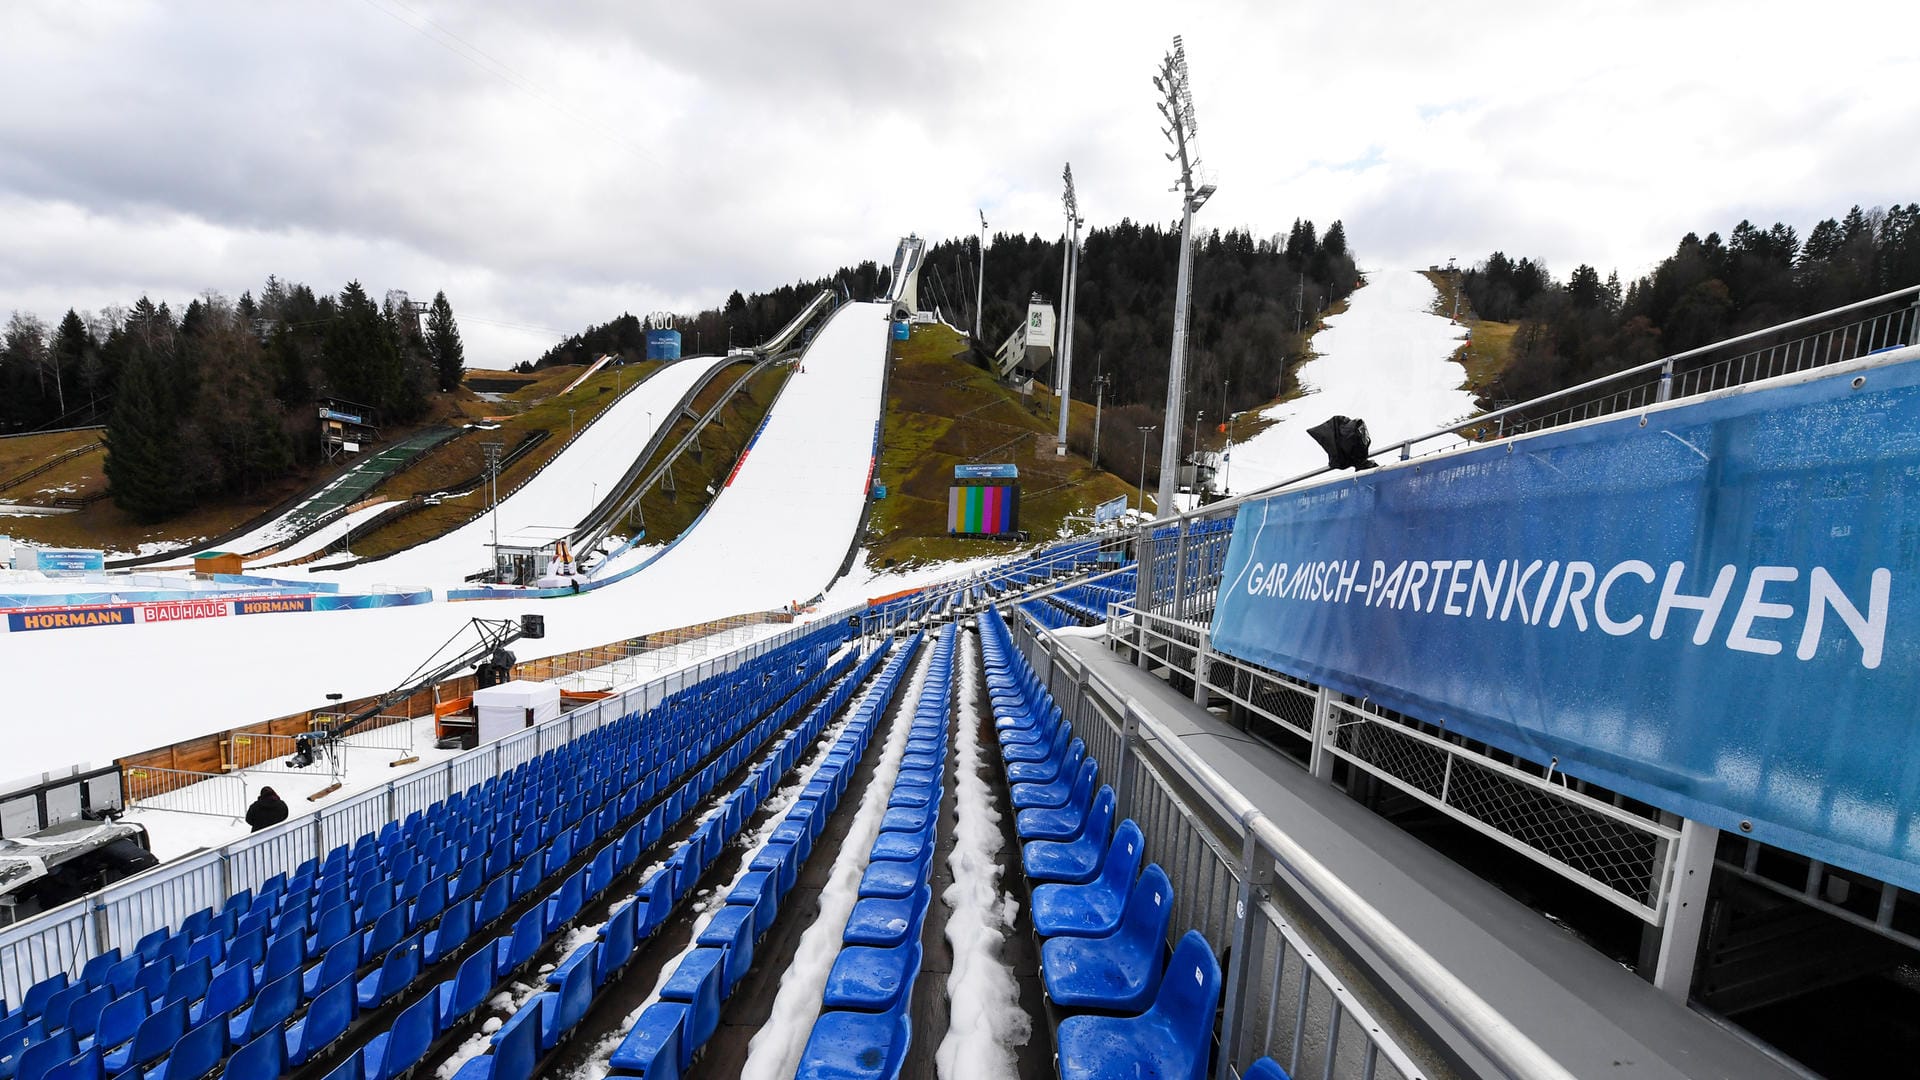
(492, 662)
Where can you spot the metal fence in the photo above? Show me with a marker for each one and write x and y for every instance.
(1289, 992)
(63, 939)
(1618, 850)
(186, 792)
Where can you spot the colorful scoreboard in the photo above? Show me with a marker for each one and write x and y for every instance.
(984, 501)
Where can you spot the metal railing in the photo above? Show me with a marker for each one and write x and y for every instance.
(1620, 852)
(1289, 992)
(64, 938)
(184, 791)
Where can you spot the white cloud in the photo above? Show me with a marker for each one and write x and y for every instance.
(551, 168)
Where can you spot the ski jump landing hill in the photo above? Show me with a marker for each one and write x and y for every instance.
(778, 531)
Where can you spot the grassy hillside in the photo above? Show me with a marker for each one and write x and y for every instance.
(1490, 348)
(533, 408)
(943, 411)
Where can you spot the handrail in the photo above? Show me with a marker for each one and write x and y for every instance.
(1483, 1025)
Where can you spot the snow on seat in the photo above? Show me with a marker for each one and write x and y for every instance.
(885, 922)
(847, 1045)
(1094, 908)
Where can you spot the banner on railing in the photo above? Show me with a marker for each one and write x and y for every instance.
(1711, 607)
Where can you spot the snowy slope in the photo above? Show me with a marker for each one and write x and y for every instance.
(1384, 360)
(556, 499)
(776, 534)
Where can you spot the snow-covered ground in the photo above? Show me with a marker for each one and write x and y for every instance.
(778, 533)
(326, 534)
(1385, 360)
(555, 500)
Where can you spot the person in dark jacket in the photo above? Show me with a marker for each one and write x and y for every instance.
(266, 810)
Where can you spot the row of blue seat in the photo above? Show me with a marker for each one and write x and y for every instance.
(1088, 602)
(131, 1037)
(1103, 930)
(668, 1033)
(863, 1029)
(534, 1030)
(537, 1026)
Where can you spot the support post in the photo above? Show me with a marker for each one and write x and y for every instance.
(1686, 909)
(1319, 758)
(1180, 572)
(1200, 669)
(1247, 946)
(1666, 382)
(1123, 769)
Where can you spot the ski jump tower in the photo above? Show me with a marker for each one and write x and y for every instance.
(903, 290)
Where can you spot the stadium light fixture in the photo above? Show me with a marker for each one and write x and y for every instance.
(1176, 107)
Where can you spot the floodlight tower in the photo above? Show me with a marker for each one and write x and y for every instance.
(1072, 269)
(980, 288)
(1177, 109)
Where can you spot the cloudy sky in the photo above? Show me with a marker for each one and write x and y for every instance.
(555, 165)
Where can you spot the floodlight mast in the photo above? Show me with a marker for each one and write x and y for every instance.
(1072, 270)
(980, 288)
(1177, 110)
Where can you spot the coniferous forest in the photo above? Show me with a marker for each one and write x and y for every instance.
(1250, 298)
(1706, 291)
(219, 398)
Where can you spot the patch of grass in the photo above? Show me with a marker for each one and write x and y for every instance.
(1490, 347)
(943, 410)
(465, 456)
(22, 452)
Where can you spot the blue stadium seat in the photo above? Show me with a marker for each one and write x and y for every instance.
(1121, 971)
(84, 1018)
(44, 1055)
(516, 1048)
(33, 1003)
(778, 860)
(396, 972)
(731, 929)
(617, 936)
(886, 923)
(562, 1009)
(443, 940)
(906, 846)
(654, 1047)
(119, 1020)
(401, 1047)
(153, 1040)
(696, 983)
(1056, 792)
(94, 973)
(871, 979)
(849, 1045)
(196, 1054)
(1074, 861)
(350, 1068)
(1265, 1069)
(275, 1002)
(564, 902)
(1171, 1039)
(191, 984)
(494, 900)
(1094, 908)
(82, 1066)
(518, 948)
(469, 987)
(335, 925)
(386, 933)
(1065, 822)
(892, 879)
(326, 1020)
(341, 961)
(755, 890)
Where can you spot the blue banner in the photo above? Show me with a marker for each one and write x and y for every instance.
(1711, 607)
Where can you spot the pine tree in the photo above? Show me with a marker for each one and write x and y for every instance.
(145, 465)
(443, 343)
